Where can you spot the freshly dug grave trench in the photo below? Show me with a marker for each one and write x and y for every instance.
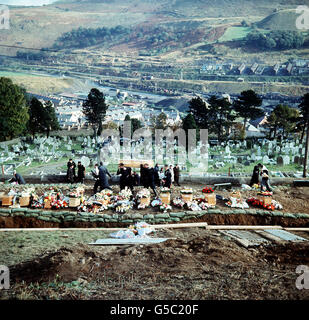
(204, 266)
(211, 219)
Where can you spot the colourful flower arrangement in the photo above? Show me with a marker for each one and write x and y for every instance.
(257, 203)
(143, 193)
(265, 193)
(126, 193)
(156, 203)
(59, 204)
(142, 206)
(165, 208)
(208, 190)
(122, 208)
(179, 203)
(186, 191)
(165, 190)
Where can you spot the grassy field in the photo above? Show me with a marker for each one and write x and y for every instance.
(235, 33)
(24, 245)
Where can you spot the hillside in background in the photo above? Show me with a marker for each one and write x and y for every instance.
(40, 27)
(282, 20)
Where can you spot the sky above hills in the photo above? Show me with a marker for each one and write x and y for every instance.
(26, 2)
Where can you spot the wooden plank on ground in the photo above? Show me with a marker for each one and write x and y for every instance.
(156, 226)
(297, 229)
(116, 242)
(239, 227)
(180, 225)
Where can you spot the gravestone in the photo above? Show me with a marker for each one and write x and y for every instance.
(286, 160)
(296, 160)
(280, 161)
(265, 160)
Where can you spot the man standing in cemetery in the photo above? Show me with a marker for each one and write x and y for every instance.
(81, 172)
(156, 175)
(69, 164)
(265, 179)
(167, 177)
(176, 174)
(135, 179)
(17, 178)
(172, 174)
(149, 180)
(95, 174)
(142, 175)
(103, 173)
(255, 174)
(125, 176)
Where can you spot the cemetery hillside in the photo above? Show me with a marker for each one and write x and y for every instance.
(154, 151)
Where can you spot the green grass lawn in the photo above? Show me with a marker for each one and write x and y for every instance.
(235, 33)
(23, 245)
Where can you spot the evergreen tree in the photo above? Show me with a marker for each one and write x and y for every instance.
(13, 110)
(50, 121)
(200, 112)
(94, 109)
(36, 117)
(248, 106)
(304, 110)
(282, 118)
(221, 116)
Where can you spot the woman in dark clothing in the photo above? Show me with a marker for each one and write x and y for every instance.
(156, 175)
(149, 178)
(125, 177)
(70, 174)
(255, 175)
(168, 177)
(142, 175)
(81, 172)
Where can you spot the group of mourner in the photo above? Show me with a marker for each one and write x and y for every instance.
(148, 177)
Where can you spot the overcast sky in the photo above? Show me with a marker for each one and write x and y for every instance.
(26, 2)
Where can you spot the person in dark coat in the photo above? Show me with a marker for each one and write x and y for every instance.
(149, 180)
(70, 174)
(95, 174)
(17, 178)
(168, 177)
(125, 176)
(103, 173)
(136, 178)
(156, 175)
(255, 175)
(265, 184)
(142, 175)
(71, 162)
(81, 172)
(176, 170)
